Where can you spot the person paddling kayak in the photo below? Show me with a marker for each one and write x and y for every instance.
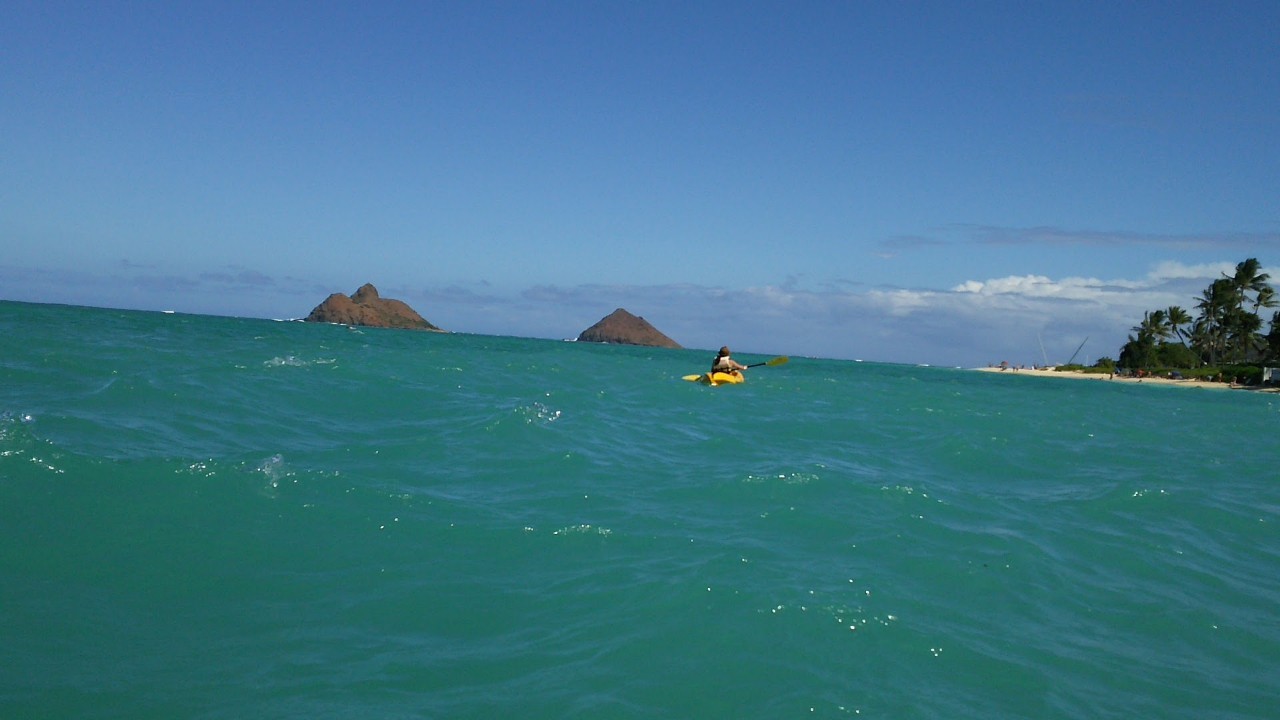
(726, 371)
(725, 364)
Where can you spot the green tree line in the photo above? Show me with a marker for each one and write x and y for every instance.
(1227, 330)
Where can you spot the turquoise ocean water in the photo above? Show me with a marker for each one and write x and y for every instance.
(206, 517)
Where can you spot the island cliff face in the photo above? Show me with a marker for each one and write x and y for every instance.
(621, 327)
(367, 309)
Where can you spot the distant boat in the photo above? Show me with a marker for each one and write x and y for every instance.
(167, 312)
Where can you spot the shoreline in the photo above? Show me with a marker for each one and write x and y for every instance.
(1077, 375)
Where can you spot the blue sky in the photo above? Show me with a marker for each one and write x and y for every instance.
(930, 182)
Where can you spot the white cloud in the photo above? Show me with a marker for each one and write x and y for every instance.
(1175, 282)
(1207, 272)
(983, 320)
(900, 303)
(1036, 285)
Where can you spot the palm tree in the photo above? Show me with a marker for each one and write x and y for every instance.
(1241, 325)
(1203, 340)
(1215, 305)
(1273, 338)
(1243, 337)
(1227, 327)
(1177, 318)
(1160, 325)
(1266, 298)
(1249, 277)
(1155, 326)
(1150, 328)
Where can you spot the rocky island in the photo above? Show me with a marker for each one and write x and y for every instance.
(367, 309)
(621, 327)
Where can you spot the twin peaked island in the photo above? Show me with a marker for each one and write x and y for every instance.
(366, 308)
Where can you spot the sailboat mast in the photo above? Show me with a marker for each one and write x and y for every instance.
(1077, 352)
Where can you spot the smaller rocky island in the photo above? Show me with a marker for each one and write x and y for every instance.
(367, 309)
(622, 328)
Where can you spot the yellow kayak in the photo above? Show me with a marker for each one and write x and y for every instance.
(733, 378)
(716, 378)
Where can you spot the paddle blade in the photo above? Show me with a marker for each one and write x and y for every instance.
(778, 361)
(692, 378)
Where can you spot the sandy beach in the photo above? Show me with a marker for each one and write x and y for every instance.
(1098, 377)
